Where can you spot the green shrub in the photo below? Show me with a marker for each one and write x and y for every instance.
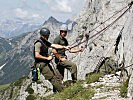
(71, 91)
(29, 89)
(31, 97)
(67, 93)
(124, 89)
(18, 82)
(4, 87)
(74, 92)
(93, 77)
(86, 94)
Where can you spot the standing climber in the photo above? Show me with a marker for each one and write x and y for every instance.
(42, 59)
(60, 56)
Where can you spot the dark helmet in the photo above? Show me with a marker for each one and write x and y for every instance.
(44, 32)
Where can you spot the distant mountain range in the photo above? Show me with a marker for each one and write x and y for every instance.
(16, 57)
(14, 27)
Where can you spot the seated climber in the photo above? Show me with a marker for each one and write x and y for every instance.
(60, 56)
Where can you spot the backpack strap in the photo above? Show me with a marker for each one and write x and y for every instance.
(44, 45)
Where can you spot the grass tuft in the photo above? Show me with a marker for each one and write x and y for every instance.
(124, 89)
(31, 97)
(29, 89)
(18, 82)
(74, 92)
(93, 77)
(4, 87)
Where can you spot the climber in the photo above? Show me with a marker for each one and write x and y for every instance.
(60, 56)
(42, 59)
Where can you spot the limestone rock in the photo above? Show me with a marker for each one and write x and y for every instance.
(25, 88)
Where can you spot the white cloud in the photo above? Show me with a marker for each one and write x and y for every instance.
(46, 1)
(62, 6)
(36, 16)
(59, 5)
(24, 0)
(24, 14)
(21, 13)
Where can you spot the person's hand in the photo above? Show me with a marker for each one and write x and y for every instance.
(82, 49)
(67, 47)
(63, 59)
(49, 58)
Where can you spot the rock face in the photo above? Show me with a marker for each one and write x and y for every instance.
(114, 42)
(125, 50)
(107, 88)
(26, 89)
(103, 44)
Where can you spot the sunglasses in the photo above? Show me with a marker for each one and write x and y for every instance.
(63, 31)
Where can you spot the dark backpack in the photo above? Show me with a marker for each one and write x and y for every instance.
(107, 66)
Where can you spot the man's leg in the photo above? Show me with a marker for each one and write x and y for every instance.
(60, 69)
(70, 66)
(49, 75)
(57, 85)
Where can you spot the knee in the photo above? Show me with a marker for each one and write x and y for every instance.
(57, 85)
(74, 66)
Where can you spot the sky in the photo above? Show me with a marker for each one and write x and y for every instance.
(39, 10)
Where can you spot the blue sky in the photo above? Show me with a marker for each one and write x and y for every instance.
(39, 10)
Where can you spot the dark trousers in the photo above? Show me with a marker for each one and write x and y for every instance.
(48, 73)
(68, 65)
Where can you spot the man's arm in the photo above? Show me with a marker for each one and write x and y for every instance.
(75, 50)
(57, 46)
(37, 52)
(37, 55)
(58, 56)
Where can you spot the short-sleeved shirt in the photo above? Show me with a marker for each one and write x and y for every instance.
(61, 41)
(41, 46)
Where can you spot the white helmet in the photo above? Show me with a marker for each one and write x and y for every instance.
(63, 27)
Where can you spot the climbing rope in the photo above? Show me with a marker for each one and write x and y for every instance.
(117, 12)
(103, 30)
(103, 58)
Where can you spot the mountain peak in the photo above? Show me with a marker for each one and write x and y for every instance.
(68, 21)
(51, 19)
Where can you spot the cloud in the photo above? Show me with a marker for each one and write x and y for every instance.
(62, 6)
(21, 13)
(59, 5)
(46, 1)
(24, 0)
(36, 16)
(24, 14)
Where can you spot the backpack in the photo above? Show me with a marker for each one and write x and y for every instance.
(107, 66)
